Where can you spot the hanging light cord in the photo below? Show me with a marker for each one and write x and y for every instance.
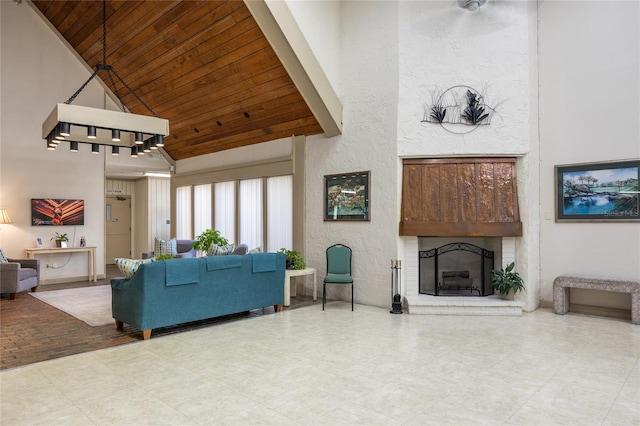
(109, 69)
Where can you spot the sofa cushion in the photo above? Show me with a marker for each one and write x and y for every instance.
(169, 247)
(129, 266)
(256, 250)
(215, 250)
(3, 258)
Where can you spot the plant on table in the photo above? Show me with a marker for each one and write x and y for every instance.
(60, 239)
(294, 259)
(506, 280)
(208, 238)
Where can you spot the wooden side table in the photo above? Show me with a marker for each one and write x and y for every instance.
(91, 256)
(290, 273)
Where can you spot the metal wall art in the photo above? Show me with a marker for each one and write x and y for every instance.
(598, 192)
(458, 105)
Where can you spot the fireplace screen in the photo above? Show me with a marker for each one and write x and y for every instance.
(456, 269)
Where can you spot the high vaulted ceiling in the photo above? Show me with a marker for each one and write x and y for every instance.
(206, 66)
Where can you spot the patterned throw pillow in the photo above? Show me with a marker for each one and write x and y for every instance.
(169, 247)
(215, 250)
(3, 258)
(255, 250)
(129, 266)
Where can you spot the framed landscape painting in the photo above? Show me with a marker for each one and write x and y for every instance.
(346, 196)
(598, 191)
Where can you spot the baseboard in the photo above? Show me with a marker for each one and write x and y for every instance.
(69, 279)
(600, 311)
(546, 304)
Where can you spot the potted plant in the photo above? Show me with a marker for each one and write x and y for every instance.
(208, 238)
(294, 259)
(61, 240)
(161, 257)
(506, 281)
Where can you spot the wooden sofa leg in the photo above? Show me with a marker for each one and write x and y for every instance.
(278, 308)
(146, 334)
(34, 289)
(12, 296)
(119, 325)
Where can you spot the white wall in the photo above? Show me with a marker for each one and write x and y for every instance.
(369, 94)
(590, 112)
(320, 23)
(36, 72)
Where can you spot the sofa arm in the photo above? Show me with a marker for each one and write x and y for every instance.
(186, 255)
(30, 263)
(9, 277)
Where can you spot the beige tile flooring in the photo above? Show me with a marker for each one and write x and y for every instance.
(311, 367)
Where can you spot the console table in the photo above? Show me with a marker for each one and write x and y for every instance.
(289, 273)
(91, 256)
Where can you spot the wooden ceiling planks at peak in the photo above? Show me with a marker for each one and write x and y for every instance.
(195, 63)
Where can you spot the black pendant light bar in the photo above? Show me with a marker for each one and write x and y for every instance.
(101, 126)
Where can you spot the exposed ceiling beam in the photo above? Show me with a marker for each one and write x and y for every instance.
(283, 33)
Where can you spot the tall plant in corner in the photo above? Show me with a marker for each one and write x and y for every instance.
(506, 280)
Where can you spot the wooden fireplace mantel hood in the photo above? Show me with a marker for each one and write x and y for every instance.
(460, 197)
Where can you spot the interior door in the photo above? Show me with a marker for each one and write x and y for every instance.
(118, 227)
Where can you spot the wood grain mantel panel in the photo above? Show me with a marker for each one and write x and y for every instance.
(450, 197)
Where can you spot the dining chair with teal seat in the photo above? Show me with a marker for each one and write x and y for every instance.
(338, 269)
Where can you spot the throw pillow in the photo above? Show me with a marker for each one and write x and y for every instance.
(3, 258)
(169, 247)
(129, 266)
(255, 250)
(215, 250)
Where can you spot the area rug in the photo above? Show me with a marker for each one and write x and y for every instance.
(89, 304)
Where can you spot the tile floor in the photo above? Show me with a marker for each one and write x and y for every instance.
(311, 367)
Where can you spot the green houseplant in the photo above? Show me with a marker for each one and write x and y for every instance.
(61, 239)
(507, 281)
(160, 257)
(294, 259)
(208, 238)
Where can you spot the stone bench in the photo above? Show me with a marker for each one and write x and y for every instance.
(562, 284)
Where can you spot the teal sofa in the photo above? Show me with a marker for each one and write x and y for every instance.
(177, 291)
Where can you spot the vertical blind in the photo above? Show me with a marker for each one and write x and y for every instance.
(250, 213)
(201, 208)
(279, 213)
(225, 209)
(250, 219)
(183, 213)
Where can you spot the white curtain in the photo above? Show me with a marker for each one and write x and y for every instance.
(201, 208)
(251, 213)
(225, 209)
(183, 213)
(279, 213)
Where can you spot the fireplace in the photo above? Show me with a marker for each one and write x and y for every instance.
(456, 269)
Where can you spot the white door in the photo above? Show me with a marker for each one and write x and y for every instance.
(118, 227)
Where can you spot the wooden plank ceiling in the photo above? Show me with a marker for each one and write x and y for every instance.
(203, 65)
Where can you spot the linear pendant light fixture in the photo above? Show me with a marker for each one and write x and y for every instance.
(97, 126)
